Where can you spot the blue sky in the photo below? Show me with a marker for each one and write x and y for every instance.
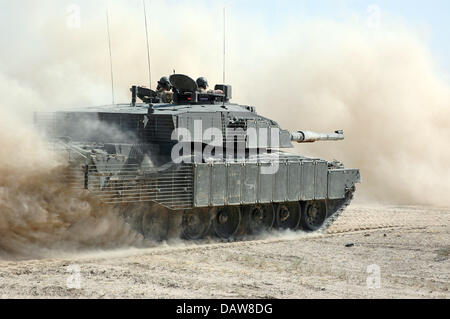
(430, 18)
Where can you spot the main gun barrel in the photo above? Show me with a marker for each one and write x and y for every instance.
(309, 136)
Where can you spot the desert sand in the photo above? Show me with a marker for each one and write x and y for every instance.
(369, 252)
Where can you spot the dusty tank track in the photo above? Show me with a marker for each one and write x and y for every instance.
(324, 232)
(331, 219)
(174, 224)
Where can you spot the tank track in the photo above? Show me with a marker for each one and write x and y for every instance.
(331, 219)
(173, 228)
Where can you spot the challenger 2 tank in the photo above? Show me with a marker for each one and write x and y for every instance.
(199, 166)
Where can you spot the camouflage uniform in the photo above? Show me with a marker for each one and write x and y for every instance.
(163, 90)
(165, 95)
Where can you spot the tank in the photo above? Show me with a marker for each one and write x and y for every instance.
(199, 166)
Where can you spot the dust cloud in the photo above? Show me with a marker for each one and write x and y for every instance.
(40, 214)
(383, 89)
(380, 85)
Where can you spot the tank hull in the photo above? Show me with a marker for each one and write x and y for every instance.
(226, 198)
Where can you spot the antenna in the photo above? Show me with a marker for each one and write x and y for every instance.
(110, 58)
(224, 47)
(223, 80)
(148, 48)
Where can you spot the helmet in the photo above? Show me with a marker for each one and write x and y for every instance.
(164, 83)
(202, 82)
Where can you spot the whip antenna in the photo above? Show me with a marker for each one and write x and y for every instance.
(148, 48)
(110, 57)
(223, 80)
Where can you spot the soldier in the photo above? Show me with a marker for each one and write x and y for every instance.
(163, 90)
(202, 85)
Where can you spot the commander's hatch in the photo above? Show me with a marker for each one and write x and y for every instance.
(185, 91)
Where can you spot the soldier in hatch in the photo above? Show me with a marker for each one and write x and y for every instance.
(163, 90)
(202, 86)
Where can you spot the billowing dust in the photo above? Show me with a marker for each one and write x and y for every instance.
(380, 85)
(40, 214)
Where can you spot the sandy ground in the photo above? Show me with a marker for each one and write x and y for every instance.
(394, 252)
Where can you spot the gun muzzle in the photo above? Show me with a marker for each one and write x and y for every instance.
(309, 137)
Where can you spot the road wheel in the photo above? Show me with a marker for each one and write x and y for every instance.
(227, 221)
(195, 223)
(314, 214)
(288, 215)
(259, 218)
